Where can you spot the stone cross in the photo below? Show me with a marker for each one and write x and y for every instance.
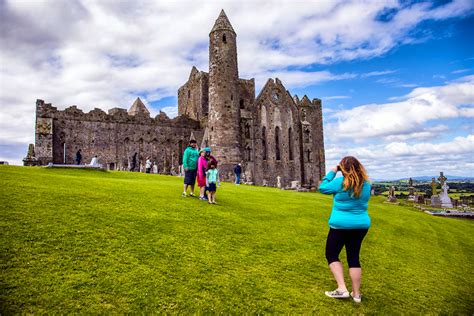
(391, 191)
(31, 151)
(434, 185)
(442, 179)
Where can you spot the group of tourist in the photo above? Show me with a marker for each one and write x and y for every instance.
(94, 161)
(348, 223)
(200, 165)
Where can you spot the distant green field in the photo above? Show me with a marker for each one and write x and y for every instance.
(453, 195)
(89, 242)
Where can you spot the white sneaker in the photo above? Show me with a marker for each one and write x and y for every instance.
(184, 194)
(337, 294)
(356, 299)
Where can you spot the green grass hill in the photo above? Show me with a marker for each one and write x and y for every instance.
(90, 242)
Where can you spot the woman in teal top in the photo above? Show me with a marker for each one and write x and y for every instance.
(349, 222)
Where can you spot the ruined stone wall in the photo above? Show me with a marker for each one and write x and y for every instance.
(115, 137)
(193, 96)
(247, 122)
(276, 137)
(313, 141)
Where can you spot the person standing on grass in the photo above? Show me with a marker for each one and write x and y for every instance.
(349, 222)
(148, 165)
(190, 158)
(237, 172)
(201, 174)
(212, 180)
(78, 157)
(210, 158)
(134, 162)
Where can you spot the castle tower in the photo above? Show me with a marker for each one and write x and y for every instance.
(223, 119)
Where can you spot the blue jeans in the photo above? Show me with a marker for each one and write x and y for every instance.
(237, 178)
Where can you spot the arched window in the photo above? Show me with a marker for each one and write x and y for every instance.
(308, 155)
(264, 143)
(277, 143)
(290, 143)
(247, 130)
(306, 135)
(242, 106)
(248, 153)
(224, 39)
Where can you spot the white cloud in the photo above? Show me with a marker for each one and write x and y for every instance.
(389, 161)
(378, 73)
(459, 71)
(171, 111)
(106, 53)
(421, 105)
(336, 97)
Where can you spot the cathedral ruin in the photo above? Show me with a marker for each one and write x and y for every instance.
(272, 134)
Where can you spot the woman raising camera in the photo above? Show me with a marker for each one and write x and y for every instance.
(349, 222)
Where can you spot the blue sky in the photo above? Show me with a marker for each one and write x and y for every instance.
(395, 77)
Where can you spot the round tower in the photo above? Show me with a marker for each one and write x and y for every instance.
(223, 119)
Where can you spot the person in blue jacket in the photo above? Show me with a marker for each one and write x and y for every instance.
(348, 223)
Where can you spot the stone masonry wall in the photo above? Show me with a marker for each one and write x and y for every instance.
(115, 137)
(276, 137)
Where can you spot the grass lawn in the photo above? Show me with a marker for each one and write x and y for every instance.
(84, 241)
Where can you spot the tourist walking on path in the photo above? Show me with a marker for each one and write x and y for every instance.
(78, 157)
(148, 165)
(201, 173)
(212, 180)
(349, 222)
(190, 158)
(237, 172)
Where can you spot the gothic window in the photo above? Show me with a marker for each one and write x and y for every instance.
(306, 135)
(247, 130)
(264, 143)
(277, 143)
(224, 39)
(248, 153)
(308, 155)
(290, 143)
(242, 104)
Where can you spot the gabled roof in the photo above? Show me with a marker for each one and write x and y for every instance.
(138, 107)
(193, 73)
(222, 23)
(305, 101)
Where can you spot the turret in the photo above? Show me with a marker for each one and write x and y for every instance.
(223, 119)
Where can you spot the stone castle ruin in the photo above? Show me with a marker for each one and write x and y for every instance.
(272, 135)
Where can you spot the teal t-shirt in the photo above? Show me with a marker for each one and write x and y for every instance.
(212, 175)
(190, 158)
(347, 212)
